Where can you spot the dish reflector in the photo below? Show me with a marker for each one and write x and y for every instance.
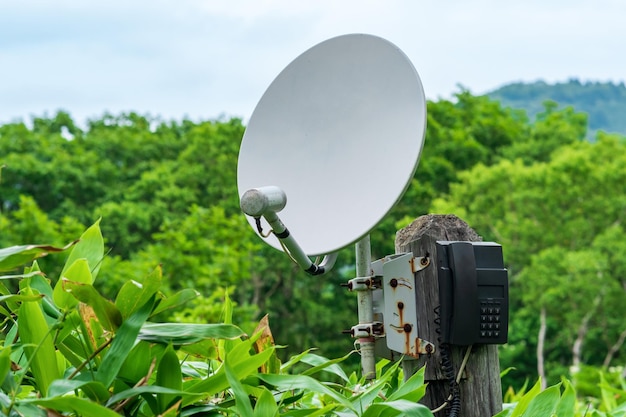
(340, 130)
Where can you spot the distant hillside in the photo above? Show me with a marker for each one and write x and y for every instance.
(605, 103)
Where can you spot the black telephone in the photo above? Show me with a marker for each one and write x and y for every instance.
(473, 293)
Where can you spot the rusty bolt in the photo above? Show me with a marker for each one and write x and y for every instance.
(424, 261)
(393, 283)
(408, 328)
(400, 305)
(347, 285)
(429, 348)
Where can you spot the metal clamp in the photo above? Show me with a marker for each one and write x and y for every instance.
(366, 330)
(419, 263)
(363, 283)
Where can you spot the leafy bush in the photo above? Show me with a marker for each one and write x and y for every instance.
(67, 350)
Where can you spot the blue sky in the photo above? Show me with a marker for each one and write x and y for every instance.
(206, 59)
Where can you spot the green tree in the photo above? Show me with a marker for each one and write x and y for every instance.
(556, 221)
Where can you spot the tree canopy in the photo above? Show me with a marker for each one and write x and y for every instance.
(166, 194)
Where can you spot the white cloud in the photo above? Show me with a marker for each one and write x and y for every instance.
(206, 57)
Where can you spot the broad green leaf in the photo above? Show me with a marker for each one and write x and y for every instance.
(222, 346)
(5, 362)
(39, 282)
(24, 275)
(206, 349)
(567, 404)
(108, 315)
(412, 390)
(20, 297)
(608, 399)
(242, 402)
(218, 381)
(294, 360)
(320, 363)
(148, 389)
(14, 256)
(138, 362)
(372, 391)
(265, 405)
(70, 404)
(187, 333)
(545, 403)
(90, 246)
(315, 412)
(290, 382)
(179, 299)
(29, 410)
(36, 339)
(169, 376)
(403, 408)
(523, 403)
(78, 272)
(507, 409)
(93, 389)
(134, 294)
(123, 342)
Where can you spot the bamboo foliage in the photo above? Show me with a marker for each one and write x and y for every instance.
(68, 350)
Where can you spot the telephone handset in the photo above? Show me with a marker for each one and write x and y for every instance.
(473, 293)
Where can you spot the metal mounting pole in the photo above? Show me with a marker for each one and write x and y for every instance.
(365, 306)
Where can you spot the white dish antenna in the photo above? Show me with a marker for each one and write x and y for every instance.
(339, 133)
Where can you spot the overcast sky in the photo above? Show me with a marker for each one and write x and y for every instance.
(203, 59)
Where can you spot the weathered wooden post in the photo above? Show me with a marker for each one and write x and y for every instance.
(480, 387)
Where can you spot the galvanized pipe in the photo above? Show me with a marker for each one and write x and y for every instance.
(365, 307)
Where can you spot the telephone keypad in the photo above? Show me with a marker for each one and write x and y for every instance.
(490, 318)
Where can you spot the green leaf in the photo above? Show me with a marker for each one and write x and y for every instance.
(20, 297)
(70, 404)
(39, 282)
(14, 256)
(37, 342)
(149, 389)
(134, 294)
(176, 300)
(242, 401)
(290, 382)
(5, 362)
(187, 333)
(567, 404)
(322, 364)
(93, 389)
(294, 360)
(371, 391)
(545, 403)
(169, 376)
(403, 407)
(227, 312)
(608, 399)
(265, 405)
(523, 403)
(78, 272)
(218, 381)
(139, 360)
(90, 246)
(412, 390)
(123, 342)
(108, 315)
(25, 275)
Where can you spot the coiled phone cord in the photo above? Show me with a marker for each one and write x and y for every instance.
(453, 403)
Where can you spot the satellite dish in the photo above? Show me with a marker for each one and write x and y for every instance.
(340, 131)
